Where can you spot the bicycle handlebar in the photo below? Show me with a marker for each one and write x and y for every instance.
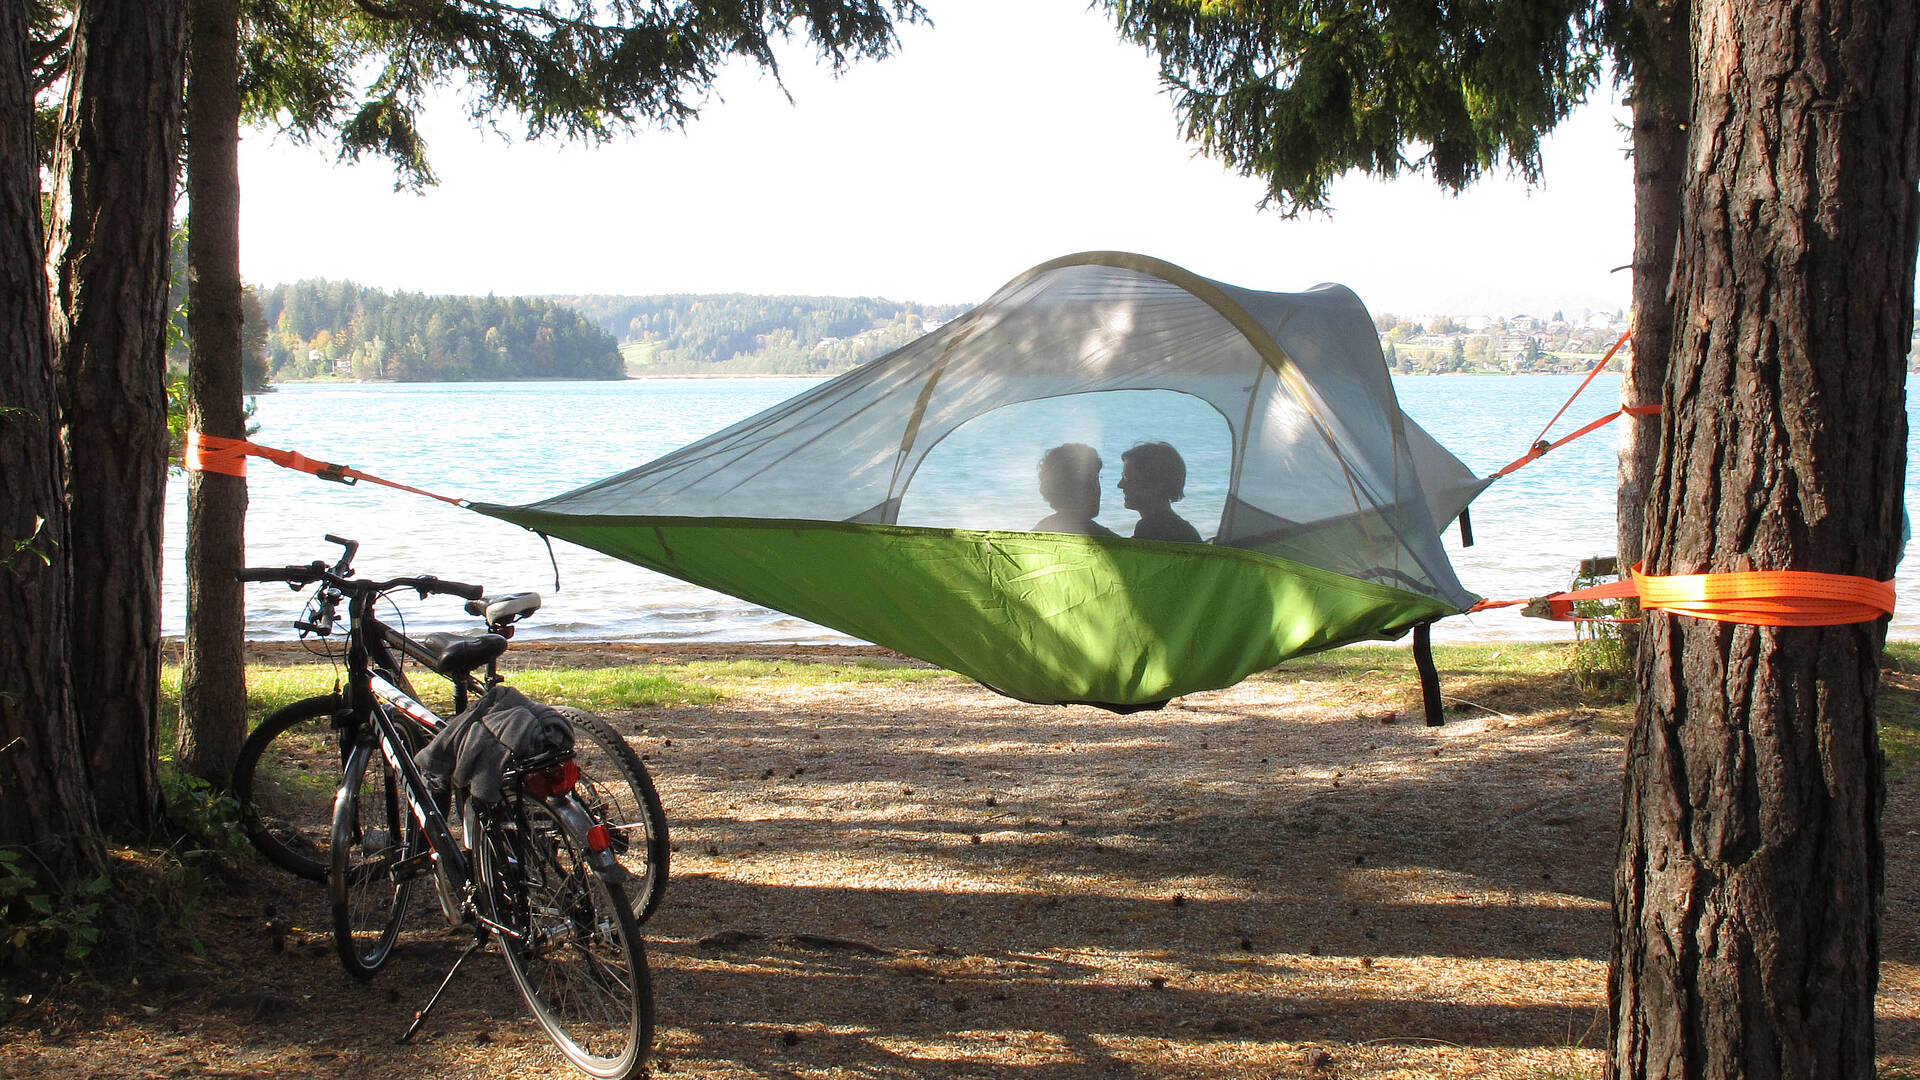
(298, 576)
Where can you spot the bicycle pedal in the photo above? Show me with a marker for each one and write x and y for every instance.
(413, 865)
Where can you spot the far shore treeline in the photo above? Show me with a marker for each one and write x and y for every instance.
(738, 333)
(320, 329)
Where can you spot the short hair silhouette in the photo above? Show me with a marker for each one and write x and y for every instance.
(1070, 478)
(1159, 464)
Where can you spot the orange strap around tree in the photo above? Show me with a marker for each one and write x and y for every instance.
(1752, 597)
(1770, 597)
(228, 457)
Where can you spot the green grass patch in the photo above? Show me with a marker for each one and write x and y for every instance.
(879, 672)
(1899, 709)
(271, 687)
(637, 355)
(1383, 666)
(1510, 676)
(268, 688)
(1516, 678)
(1522, 677)
(612, 688)
(1902, 656)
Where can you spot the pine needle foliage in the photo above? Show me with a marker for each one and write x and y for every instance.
(1298, 92)
(362, 71)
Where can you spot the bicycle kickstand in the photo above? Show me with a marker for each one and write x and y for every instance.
(420, 1018)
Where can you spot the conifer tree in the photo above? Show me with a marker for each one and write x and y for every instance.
(1748, 885)
(114, 161)
(45, 801)
(89, 93)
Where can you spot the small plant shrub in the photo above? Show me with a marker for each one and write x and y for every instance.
(206, 816)
(1602, 662)
(39, 922)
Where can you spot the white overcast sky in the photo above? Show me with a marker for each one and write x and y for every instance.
(1009, 133)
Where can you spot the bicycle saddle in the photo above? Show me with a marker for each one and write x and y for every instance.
(505, 609)
(457, 654)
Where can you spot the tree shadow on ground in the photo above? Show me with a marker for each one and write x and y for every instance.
(868, 883)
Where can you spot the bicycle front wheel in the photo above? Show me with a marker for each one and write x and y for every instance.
(375, 851)
(617, 791)
(570, 939)
(286, 779)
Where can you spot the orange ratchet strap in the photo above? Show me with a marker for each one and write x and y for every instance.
(1752, 597)
(228, 457)
(1541, 447)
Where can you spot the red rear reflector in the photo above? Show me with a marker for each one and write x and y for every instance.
(553, 780)
(597, 838)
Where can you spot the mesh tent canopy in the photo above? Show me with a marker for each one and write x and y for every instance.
(902, 502)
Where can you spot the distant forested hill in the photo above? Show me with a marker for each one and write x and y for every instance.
(735, 332)
(336, 327)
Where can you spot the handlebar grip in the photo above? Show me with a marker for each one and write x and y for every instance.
(289, 574)
(455, 588)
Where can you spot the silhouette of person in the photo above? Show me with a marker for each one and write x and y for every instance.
(1070, 482)
(1153, 477)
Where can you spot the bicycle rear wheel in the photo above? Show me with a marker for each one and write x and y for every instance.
(286, 778)
(618, 792)
(570, 939)
(374, 848)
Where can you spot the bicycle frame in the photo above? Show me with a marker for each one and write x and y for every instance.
(450, 861)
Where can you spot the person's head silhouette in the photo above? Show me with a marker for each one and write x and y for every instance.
(1070, 482)
(1152, 476)
(1070, 479)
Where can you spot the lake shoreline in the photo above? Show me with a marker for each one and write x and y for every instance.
(649, 376)
(582, 653)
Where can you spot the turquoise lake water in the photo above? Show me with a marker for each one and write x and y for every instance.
(516, 442)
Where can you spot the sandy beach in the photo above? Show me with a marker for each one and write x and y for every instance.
(905, 875)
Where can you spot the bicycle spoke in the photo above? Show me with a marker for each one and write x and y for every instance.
(374, 841)
(579, 963)
(286, 777)
(618, 793)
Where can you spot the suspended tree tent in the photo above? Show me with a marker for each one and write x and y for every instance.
(894, 503)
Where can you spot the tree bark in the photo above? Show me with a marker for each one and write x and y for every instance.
(213, 694)
(114, 171)
(1749, 877)
(45, 803)
(1662, 78)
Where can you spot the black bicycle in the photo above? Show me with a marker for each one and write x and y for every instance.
(289, 766)
(530, 864)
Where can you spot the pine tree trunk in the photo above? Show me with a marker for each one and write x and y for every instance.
(114, 172)
(1660, 92)
(44, 798)
(1749, 876)
(213, 693)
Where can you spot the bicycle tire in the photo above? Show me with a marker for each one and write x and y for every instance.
(373, 836)
(286, 778)
(619, 793)
(570, 939)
